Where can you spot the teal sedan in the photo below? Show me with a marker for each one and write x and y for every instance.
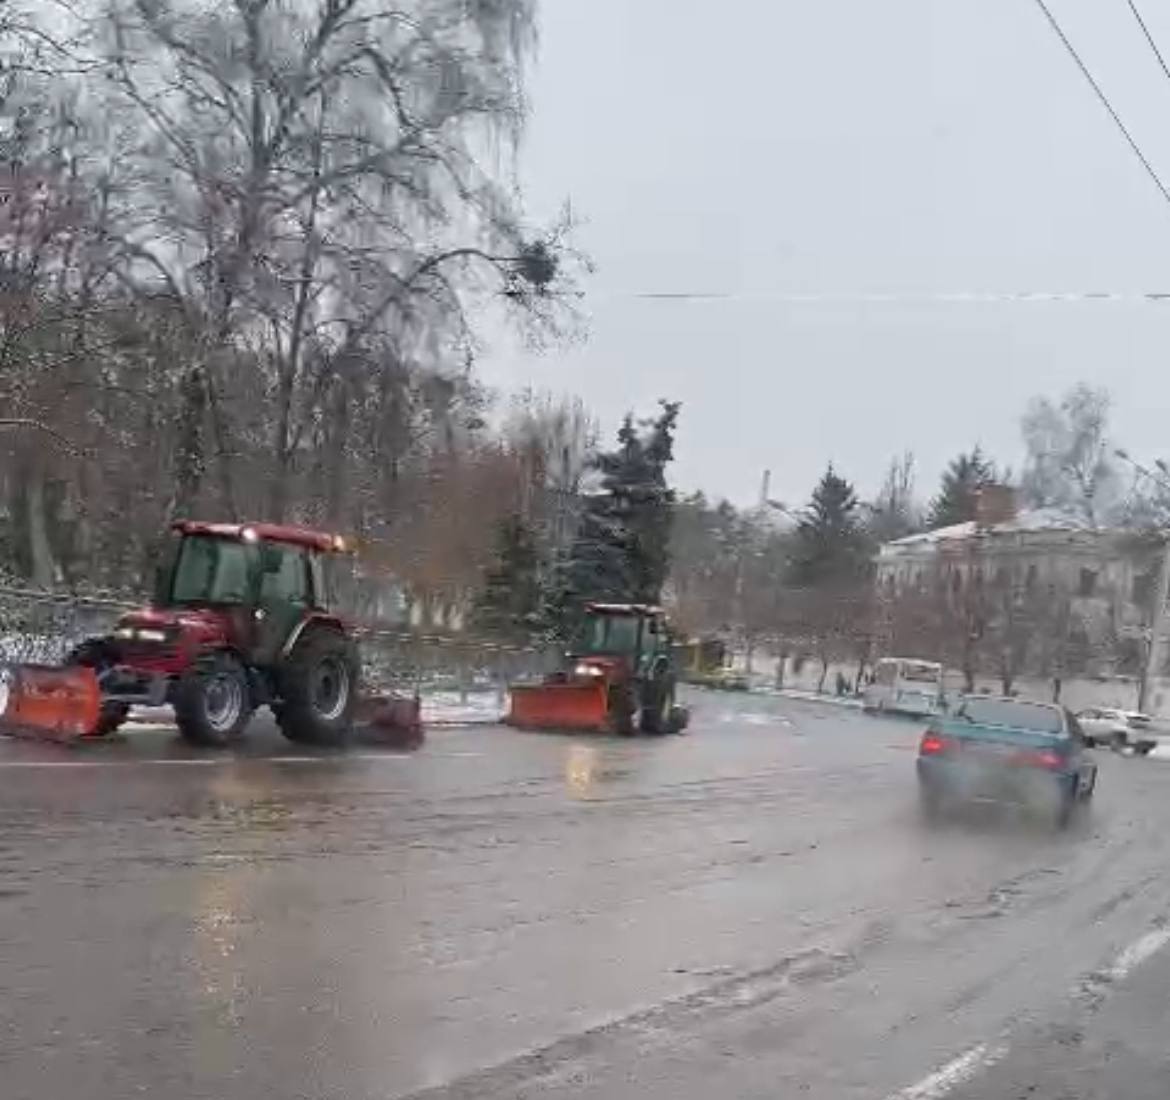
(1003, 750)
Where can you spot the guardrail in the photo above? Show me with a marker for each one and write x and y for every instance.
(39, 626)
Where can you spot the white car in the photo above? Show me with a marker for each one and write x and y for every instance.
(1118, 728)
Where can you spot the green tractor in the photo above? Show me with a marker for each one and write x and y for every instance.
(618, 677)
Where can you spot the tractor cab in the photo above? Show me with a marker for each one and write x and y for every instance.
(235, 565)
(629, 635)
(245, 587)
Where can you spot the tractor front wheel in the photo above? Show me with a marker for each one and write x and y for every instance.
(621, 709)
(97, 653)
(213, 701)
(319, 689)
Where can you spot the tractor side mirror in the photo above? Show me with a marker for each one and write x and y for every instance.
(162, 584)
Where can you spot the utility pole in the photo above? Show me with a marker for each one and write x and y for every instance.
(1157, 626)
(1161, 589)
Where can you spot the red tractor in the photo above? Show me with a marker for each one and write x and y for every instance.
(241, 618)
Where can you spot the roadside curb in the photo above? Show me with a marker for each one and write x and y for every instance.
(808, 697)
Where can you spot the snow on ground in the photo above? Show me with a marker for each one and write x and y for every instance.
(439, 708)
(449, 708)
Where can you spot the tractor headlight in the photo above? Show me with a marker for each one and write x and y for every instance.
(587, 670)
(140, 634)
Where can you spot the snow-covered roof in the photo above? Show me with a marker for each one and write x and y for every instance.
(1033, 520)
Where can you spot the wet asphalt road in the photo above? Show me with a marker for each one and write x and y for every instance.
(750, 910)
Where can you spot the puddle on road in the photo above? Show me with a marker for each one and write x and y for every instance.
(588, 767)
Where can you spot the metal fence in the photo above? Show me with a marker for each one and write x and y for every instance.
(42, 627)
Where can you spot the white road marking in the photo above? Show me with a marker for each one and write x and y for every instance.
(967, 1065)
(206, 761)
(195, 763)
(958, 1071)
(1137, 953)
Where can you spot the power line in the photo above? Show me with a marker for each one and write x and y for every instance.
(959, 297)
(1104, 99)
(1149, 37)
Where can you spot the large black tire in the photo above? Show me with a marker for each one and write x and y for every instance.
(213, 701)
(319, 689)
(111, 719)
(98, 654)
(657, 700)
(622, 709)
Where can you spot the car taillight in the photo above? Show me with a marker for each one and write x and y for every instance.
(933, 744)
(1044, 758)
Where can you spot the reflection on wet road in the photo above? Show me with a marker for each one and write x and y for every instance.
(732, 911)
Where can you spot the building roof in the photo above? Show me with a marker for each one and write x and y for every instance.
(1035, 520)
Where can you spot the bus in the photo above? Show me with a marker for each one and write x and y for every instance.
(905, 685)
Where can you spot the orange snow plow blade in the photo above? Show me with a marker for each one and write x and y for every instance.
(53, 704)
(571, 706)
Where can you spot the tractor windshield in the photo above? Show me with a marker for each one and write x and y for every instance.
(211, 570)
(605, 634)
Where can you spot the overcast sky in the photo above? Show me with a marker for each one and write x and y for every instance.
(769, 148)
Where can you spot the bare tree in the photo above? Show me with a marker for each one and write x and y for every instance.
(251, 245)
(1068, 462)
(311, 186)
(895, 511)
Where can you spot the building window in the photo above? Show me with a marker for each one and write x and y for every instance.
(1032, 574)
(1088, 583)
(1143, 589)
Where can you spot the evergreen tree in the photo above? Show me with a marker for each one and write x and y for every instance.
(830, 540)
(509, 605)
(959, 493)
(650, 504)
(621, 551)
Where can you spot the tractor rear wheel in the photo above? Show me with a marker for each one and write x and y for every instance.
(213, 701)
(319, 689)
(657, 701)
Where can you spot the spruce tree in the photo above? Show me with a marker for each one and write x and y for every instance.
(830, 539)
(959, 493)
(509, 605)
(621, 551)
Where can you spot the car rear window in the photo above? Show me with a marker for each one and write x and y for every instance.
(1017, 715)
(920, 673)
